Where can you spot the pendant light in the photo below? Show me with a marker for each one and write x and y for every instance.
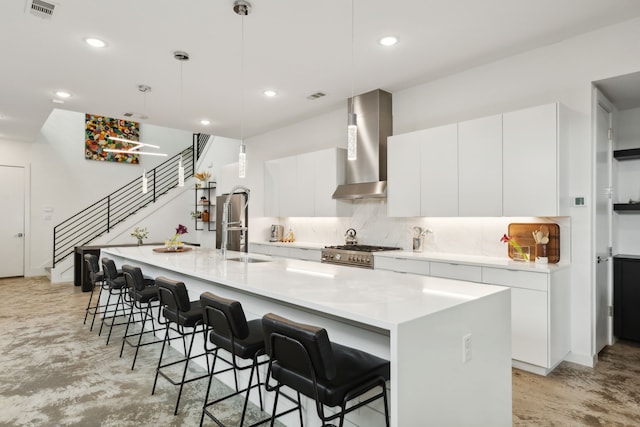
(352, 119)
(182, 57)
(144, 182)
(242, 8)
(180, 173)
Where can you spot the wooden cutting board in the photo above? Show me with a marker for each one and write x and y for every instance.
(522, 233)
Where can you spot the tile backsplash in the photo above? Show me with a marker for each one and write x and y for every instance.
(468, 236)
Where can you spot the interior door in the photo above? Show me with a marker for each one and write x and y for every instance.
(603, 295)
(12, 223)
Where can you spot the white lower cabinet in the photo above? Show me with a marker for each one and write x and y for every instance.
(540, 329)
(529, 327)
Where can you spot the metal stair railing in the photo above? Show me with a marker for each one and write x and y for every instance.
(100, 217)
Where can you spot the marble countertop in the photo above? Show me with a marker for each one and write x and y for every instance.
(379, 298)
(481, 261)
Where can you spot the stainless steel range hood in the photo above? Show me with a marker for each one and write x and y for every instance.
(366, 177)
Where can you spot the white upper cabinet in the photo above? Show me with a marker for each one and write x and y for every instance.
(403, 174)
(439, 171)
(502, 165)
(302, 185)
(422, 173)
(480, 166)
(530, 162)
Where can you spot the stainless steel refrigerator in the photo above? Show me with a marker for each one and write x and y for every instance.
(238, 217)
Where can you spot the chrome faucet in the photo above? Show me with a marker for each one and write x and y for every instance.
(231, 226)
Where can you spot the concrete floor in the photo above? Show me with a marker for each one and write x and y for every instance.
(54, 371)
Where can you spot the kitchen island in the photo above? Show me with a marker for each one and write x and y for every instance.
(420, 324)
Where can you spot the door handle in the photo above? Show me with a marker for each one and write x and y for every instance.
(600, 259)
(20, 234)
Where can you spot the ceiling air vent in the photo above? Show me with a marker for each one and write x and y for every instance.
(41, 8)
(316, 95)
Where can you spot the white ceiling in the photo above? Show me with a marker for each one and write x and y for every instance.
(296, 47)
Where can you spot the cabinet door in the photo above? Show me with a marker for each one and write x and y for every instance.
(272, 188)
(287, 183)
(330, 168)
(439, 171)
(403, 174)
(303, 193)
(530, 162)
(480, 167)
(626, 299)
(529, 326)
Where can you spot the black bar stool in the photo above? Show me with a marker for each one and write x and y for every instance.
(115, 285)
(228, 329)
(97, 280)
(303, 358)
(143, 293)
(179, 311)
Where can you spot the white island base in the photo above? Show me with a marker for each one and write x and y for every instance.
(420, 324)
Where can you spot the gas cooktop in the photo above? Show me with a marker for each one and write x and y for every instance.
(354, 255)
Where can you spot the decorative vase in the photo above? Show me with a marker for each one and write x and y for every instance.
(139, 241)
(522, 255)
(541, 254)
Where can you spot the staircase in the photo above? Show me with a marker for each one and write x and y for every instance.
(100, 218)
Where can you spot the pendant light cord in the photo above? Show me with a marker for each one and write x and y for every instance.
(242, 79)
(352, 51)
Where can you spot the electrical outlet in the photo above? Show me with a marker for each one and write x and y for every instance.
(466, 348)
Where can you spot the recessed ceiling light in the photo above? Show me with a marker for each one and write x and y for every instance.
(388, 41)
(62, 94)
(205, 122)
(94, 42)
(270, 93)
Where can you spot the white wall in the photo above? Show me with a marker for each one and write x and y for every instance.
(561, 72)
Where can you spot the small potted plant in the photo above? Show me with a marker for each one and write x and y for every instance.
(140, 234)
(202, 176)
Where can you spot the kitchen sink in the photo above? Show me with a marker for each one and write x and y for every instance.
(248, 259)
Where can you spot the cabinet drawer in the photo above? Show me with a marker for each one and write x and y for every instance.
(305, 254)
(259, 249)
(447, 270)
(515, 278)
(402, 265)
(280, 251)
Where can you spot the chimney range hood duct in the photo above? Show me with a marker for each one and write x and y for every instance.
(366, 177)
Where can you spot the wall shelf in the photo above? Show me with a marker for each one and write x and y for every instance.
(629, 154)
(628, 207)
(209, 193)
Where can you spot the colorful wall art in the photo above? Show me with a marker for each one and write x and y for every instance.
(98, 131)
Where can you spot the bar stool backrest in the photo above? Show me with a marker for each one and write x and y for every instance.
(110, 270)
(92, 264)
(173, 295)
(134, 277)
(287, 342)
(225, 316)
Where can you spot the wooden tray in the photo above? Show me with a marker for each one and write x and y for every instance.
(164, 250)
(522, 233)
